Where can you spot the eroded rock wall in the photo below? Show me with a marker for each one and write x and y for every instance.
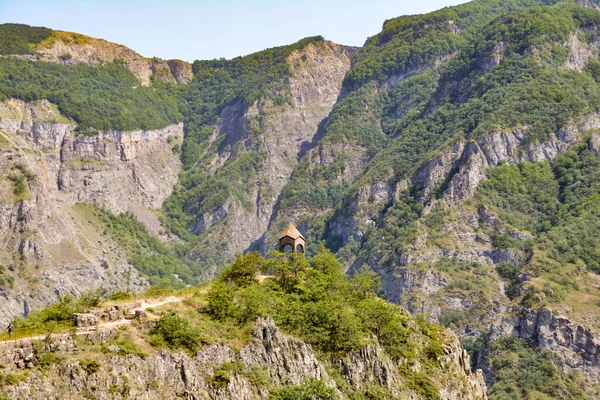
(50, 245)
(576, 347)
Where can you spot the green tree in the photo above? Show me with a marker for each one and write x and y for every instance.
(244, 270)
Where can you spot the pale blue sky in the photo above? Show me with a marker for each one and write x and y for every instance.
(206, 29)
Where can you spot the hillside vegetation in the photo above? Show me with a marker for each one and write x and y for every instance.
(311, 300)
(421, 84)
(20, 39)
(106, 97)
(457, 176)
(216, 85)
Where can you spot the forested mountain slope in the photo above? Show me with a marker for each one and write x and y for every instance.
(248, 121)
(455, 154)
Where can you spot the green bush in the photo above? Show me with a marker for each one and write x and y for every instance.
(243, 271)
(311, 390)
(90, 366)
(421, 384)
(176, 332)
(521, 372)
(127, 346)
(452, 318)
(511, 273)
(323, 306)
(120, 295)
(220, 302)
(62, 311)
(223, 374)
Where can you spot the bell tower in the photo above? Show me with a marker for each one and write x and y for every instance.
(291, 237)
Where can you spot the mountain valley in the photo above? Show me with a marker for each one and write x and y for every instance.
(445, 176)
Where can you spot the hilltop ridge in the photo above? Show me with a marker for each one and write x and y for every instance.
(69, 48)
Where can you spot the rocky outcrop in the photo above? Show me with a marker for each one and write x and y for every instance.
(361, 211)
(174, 71)
(171, 375)
(589, 4)
(71, 49)
(139, 163)
(431, 175)
(396, 282)
(487, 152)
(287, 359)
(370, 365)
(576, 347)
(579, 54)
(85, 320)
(458, 170)
(495, 58)
(466, 235)
(457, 357)
(48, 240)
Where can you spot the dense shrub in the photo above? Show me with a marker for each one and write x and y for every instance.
(176, 332)
(165, 266)
(559, 204)
(63, 310)
(522, 373)
(322, 305)
(311, 390)
(19, 38)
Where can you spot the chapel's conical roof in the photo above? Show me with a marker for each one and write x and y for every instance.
(292, 232)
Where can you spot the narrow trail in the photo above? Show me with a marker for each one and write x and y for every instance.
(102, 326)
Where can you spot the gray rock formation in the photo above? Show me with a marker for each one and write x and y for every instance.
(576, 347)
(170, 375)
(286, 359)
(50, 242)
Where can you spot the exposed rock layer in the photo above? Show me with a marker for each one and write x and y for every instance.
(70, 49)
(52, 243)
(168, 375)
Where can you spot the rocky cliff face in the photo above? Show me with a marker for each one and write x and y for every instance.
(70, 49)
(576, 347)
(50, 244)
(287, 131)
(461, 168)
(169, 375)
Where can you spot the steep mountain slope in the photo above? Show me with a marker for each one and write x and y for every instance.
(392, 78)
(50, 243)
(522, 90)
(267, 110)
(103, 157)
(455, 154)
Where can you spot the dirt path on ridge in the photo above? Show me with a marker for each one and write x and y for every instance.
(102, 326)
